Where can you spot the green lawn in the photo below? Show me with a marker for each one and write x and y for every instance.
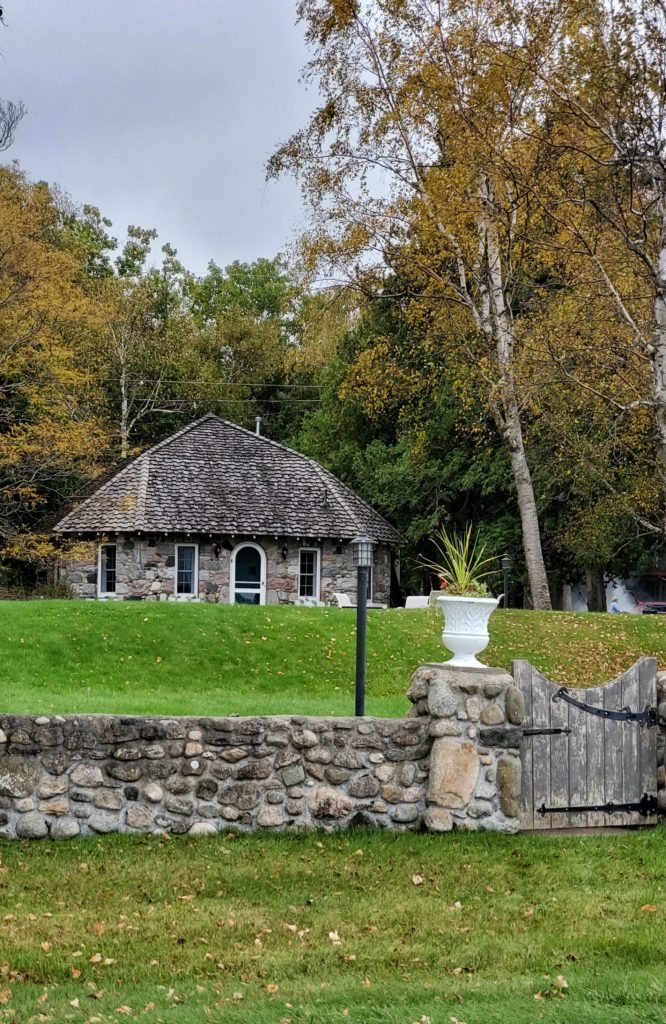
(143, 658)
(324, 928)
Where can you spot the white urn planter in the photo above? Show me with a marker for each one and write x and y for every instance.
(466, 628)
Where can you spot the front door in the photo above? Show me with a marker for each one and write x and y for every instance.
(248, 575)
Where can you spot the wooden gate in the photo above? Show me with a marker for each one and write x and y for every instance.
(596, 761)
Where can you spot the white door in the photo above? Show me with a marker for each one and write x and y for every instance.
(248, 574)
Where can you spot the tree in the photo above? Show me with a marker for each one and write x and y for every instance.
(604, 120)
(147, 338)
(50, 429)
(395, 426)
(408, 163)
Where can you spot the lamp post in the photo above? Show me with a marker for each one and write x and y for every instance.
(363, 555)
(506, 565)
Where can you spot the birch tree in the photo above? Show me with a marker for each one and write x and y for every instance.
(404, 165)
(605, 83)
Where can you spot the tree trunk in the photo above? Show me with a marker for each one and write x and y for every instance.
(529, 517)
(499, 318)
(596, 589)
(124, 413)
(659, 346)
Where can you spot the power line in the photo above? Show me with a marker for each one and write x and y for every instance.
(210, 383)
(234, 401)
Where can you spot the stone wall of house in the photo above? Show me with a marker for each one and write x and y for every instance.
(451, 763)
(146, 569)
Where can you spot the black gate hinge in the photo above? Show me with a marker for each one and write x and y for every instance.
(646, 717)
(646, 806)
(543, 731)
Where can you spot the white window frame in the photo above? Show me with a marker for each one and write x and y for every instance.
(100, 592)
(232, 573)
(195, 579)
(317, 574)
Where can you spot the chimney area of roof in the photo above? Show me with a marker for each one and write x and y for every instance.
(257, 425)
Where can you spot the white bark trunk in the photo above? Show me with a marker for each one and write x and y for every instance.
(509, 421)
(659, 347)
(124, 412)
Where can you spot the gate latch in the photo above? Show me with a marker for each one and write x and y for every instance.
(543, 731)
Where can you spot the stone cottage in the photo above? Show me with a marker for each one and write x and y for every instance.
(221, 514)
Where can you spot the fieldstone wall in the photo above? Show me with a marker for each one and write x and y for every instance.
(63, 776)
(452, 763)
(146, 569)
(475, 774)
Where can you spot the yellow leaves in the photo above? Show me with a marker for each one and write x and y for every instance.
(5, 996)
(557, 990)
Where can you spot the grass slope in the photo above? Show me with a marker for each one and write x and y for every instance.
(151, 658)
(322, 928)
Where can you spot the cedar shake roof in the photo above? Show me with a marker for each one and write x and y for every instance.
(215, 477)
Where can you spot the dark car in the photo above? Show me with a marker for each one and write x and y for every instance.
(651, 607)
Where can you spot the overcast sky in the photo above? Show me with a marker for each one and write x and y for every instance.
(163, 114)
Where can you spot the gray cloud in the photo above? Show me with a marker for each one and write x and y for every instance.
(162, 114)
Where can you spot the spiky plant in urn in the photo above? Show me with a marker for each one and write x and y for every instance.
(466, 602)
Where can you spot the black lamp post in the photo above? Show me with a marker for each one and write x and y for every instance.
(506, 565)
(363, 555)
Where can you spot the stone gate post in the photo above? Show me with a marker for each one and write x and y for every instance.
(474, 777)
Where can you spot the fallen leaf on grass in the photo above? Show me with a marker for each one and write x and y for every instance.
(335, 938)
(5, 996)
(649, 908)
(272, 988)
(45, 946)
(417, 880)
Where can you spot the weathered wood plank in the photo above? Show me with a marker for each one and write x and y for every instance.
(559, 761)
(522, 675)
(647, 738)
(577, 766)
(542, 691)
(613, 741)
(595, 755)
(630, 753)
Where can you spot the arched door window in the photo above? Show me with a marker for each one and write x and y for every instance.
(248, 574)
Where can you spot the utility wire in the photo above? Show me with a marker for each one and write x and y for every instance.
(209, 383)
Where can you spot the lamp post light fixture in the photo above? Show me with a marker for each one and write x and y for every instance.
(363, 548)
(506, 565)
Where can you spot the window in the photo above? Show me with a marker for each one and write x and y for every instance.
(106, 576)
(186, 569)
(308, 573)
(371, 571)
